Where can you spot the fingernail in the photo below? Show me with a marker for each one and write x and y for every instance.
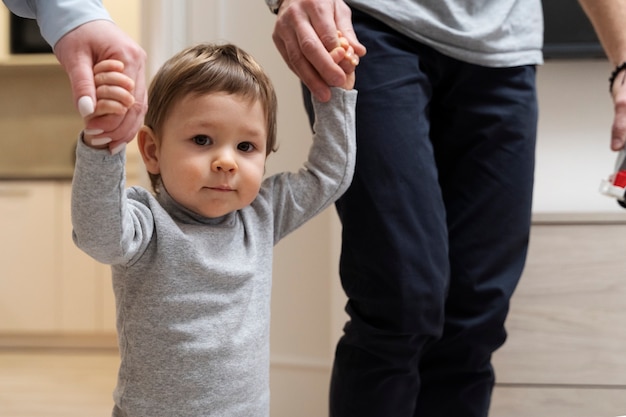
(93, 132)
(85, 106)
(119, 148)
(353, 58)
(100, 141)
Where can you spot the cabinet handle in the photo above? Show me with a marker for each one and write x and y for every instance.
(14, 192)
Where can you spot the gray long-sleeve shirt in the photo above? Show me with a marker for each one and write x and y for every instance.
(193, 293)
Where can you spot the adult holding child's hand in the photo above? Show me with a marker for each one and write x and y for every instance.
(114, 98)
(305, 31)
(87, 45)
(82, 34)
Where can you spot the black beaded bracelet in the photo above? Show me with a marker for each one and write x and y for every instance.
(616, 71)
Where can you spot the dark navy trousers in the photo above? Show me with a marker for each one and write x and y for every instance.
(434, 228)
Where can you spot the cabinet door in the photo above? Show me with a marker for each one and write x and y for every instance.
(566, 323)
(565, 350)
(28, 285)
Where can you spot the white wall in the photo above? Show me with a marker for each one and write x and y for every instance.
(573, 155)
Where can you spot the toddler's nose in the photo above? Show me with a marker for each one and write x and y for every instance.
(224, 162)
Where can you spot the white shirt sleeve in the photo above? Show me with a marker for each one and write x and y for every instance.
(58, 17)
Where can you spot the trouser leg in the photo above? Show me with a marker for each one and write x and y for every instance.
(394, 260)
(442, 190)
(483, 130)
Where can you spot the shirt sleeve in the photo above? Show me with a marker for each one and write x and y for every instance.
(58, 17)
(107, 225)
(327, 173)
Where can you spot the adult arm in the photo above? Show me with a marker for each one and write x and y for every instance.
(608, 17)
(305, 31)
(82, 34)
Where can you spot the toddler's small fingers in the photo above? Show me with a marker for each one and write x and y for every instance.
(347, 66)
(114, 79)
(114, 93)
(108, 65)
(338, 54)
(106, 107)
(352, 57)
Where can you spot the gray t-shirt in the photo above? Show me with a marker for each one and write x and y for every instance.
(492, 33)
(193, 293)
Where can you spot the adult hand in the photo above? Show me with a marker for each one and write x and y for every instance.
(305, 31)
(82, 48)
(346, 58)
(113, 95)
(618, 130)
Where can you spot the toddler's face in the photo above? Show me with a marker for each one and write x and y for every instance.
(212, 152)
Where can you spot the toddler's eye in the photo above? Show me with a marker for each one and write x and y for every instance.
(201, 140)
(245, 147)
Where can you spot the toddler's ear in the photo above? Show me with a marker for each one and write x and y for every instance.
(149, 147)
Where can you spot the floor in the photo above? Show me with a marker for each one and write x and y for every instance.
(57, 383)
(63, 382)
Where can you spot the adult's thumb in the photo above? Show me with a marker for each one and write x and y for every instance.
(83, 87)
(85, 106)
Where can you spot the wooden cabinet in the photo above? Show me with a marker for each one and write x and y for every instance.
(47, 285)
(28, 291)
(566, 350)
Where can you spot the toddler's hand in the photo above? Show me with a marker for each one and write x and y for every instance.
(114, 93)
(345, 57)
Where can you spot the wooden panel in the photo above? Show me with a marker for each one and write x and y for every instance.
(28, 288)
(567, 323)
(79, 342)
(25, 115)
(299, 387)
(79, 303)
(558, 402)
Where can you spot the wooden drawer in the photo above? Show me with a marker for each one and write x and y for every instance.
(541, 401)
(567, 323)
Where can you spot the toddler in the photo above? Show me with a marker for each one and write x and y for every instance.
(192, 260)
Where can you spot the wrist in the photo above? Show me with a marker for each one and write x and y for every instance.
(95, 143)
(619, 68)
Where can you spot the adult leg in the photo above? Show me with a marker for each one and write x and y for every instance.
(394, 260)
(483, 129)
